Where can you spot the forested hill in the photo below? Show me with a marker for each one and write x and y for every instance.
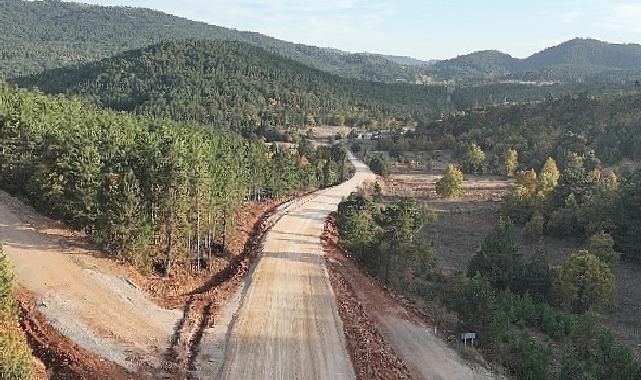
(235, 84)
(602, 130)
(571, 61)
(144, 188)
(588, 52)
(38, 35)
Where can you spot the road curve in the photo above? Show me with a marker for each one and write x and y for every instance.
(288, 325)
(88, 299)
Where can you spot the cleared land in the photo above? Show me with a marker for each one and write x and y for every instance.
(89, 299)
(464, 222)
(423, 186)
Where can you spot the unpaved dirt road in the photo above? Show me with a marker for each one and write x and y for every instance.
(427, 356)
(288, 325)
(88, 299)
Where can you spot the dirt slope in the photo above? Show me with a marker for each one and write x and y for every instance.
(87, 298)
(288, 326)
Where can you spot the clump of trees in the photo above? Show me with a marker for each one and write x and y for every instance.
(511, 162)
(504, 297)
(584, 283)
(15, 355)
(601, 245)
(380, 164)
(579, 202)
(470, 157)
(384, 238)
(155, 192)
(451, 184)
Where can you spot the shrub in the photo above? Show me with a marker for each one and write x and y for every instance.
(600, 357)
(498, 259)
(475, 304)
(15, 357)
(511, 162)
(535, 227)
(451, 184)
(584, 283)
(601, 245)
(380, 165)
(536, 276)
(530, 360)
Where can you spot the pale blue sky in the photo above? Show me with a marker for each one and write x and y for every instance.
(423, 29)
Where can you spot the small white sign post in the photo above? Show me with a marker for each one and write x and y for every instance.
(468, 336)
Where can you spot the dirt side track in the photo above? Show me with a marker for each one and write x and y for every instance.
(88, 298)
(65, 350)
(410, 348)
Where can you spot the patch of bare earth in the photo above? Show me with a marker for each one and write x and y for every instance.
(624, 315)
(458, 232)
(385, 327)
(83, 295)
(88, 316)
(422, 185)
(61, 358)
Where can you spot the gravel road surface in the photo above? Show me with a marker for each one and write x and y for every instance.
(288, 325)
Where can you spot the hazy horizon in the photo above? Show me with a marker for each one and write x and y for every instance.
(421, 29)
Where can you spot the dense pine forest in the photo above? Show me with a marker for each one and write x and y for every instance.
(236, 84)
(152, 191)
(40, 35)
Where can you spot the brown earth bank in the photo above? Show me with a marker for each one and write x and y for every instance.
(378, 322)
(202, 296)
(62, 359)
(372, 357)
(198, 294)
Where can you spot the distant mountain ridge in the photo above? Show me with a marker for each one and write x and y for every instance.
(410, 61)
(571, 60)
(40, 35)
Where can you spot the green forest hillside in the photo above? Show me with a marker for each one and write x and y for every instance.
(39, 35)
(236, 84)
(605, 130)
(577, 60)
(143, 188)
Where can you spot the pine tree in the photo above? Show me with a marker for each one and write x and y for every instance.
(511, 162)
(451, 184)
(549, 177)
